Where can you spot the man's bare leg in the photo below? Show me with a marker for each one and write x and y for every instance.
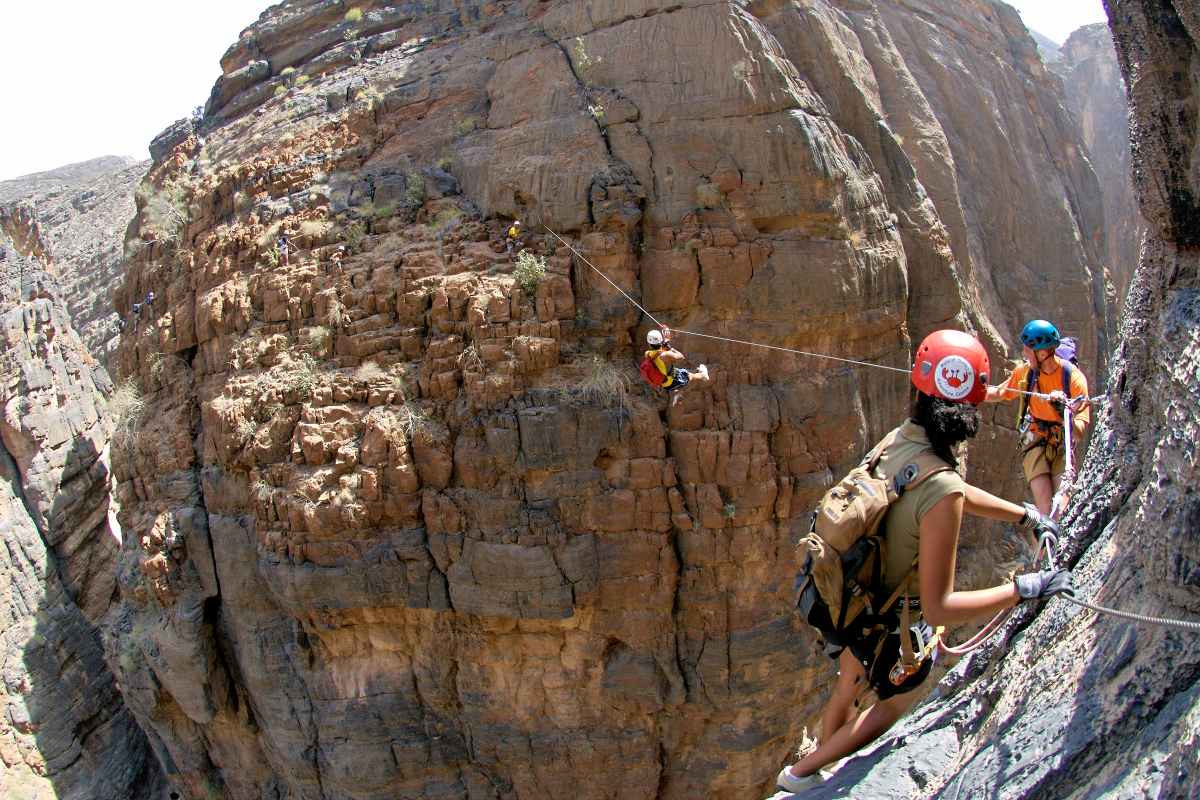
(1043, 492)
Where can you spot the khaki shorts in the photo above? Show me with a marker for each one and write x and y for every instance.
(1043, 459)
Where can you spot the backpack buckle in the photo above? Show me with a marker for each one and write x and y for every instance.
(904, 477)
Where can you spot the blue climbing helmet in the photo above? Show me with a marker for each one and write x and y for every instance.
(1038, 334)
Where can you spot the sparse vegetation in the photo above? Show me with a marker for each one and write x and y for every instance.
(246, 429)
(354, 15)
(302, 377)
(267, 412)
(166, 211)
(597, 111)
(126, 405)
(415, 422)
(530, 271)
(414, 188)
(445, 221)
(367, 372)
(337, 313)
(605, 384)
(729, 510)
(314, 229)
(280, 90)
(354, 236)
(466, 125)
(262, 491)
(583, 62)
(469, 360)
(317, 339)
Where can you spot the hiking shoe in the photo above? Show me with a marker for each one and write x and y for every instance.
(703, 370)
(793, 784)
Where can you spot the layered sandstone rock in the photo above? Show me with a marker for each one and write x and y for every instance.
(64, 730)
(399, 519)
(1096, 93)
(1068, 703)
(82, 211)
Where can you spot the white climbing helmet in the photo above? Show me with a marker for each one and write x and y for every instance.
(654, 337)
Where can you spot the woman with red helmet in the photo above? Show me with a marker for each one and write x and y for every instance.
(950, 373)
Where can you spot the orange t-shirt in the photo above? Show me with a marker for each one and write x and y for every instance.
(1041, 408)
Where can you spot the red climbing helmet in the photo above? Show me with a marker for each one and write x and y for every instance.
(952, 365)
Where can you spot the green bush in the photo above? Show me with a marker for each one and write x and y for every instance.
(530, 271)
(354, 15)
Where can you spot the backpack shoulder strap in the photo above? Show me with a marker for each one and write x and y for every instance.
(908, 474)
(1030, 386)
(873, 456)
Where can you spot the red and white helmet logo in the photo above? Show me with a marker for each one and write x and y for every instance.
(954, 377)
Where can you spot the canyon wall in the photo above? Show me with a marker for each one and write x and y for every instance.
(81, 211)
(1067, 703)
(64, 730)
(1095, 91)
(400, 518)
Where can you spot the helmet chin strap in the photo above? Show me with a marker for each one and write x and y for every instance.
(1041, 362)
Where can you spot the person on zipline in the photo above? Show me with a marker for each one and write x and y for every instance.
(1040, 420)
(950, 374)
(658, 365)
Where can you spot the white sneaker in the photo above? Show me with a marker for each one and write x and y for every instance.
(703, 370)
(793, 784)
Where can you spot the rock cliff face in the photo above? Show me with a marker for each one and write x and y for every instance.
(1096, 94)
(1070, 704)
(81, 212)
(399, 520)
(64, 730)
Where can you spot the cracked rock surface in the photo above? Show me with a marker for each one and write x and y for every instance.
(1068, 704)
(399, 518)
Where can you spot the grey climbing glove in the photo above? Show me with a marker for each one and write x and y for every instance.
(1043, 527)
(1033, 585)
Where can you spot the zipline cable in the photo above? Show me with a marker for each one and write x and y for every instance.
(655, 320)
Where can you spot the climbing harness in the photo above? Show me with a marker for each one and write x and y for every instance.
(1060, 498)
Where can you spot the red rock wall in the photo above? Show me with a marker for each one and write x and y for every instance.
(398, 526)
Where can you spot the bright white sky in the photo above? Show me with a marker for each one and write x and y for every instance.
(116, 72)
(88, 78)
(1058, 18)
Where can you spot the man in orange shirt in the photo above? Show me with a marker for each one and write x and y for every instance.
(1041, 419)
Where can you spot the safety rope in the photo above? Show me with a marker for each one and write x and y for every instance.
(1060, 498)
(580, 256)
(1113, 612)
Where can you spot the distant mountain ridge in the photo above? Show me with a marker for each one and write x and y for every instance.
(22, 185)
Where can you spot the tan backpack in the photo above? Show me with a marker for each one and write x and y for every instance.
(839, 588)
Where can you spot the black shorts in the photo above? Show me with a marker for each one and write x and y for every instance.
(679, 379)
(878, 662)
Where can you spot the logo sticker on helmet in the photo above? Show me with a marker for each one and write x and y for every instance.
(954, 377)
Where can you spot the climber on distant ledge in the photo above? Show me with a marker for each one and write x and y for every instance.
(513, 237)
(282, 246)
(888, 647)
(1040, 420)
(658, 365)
